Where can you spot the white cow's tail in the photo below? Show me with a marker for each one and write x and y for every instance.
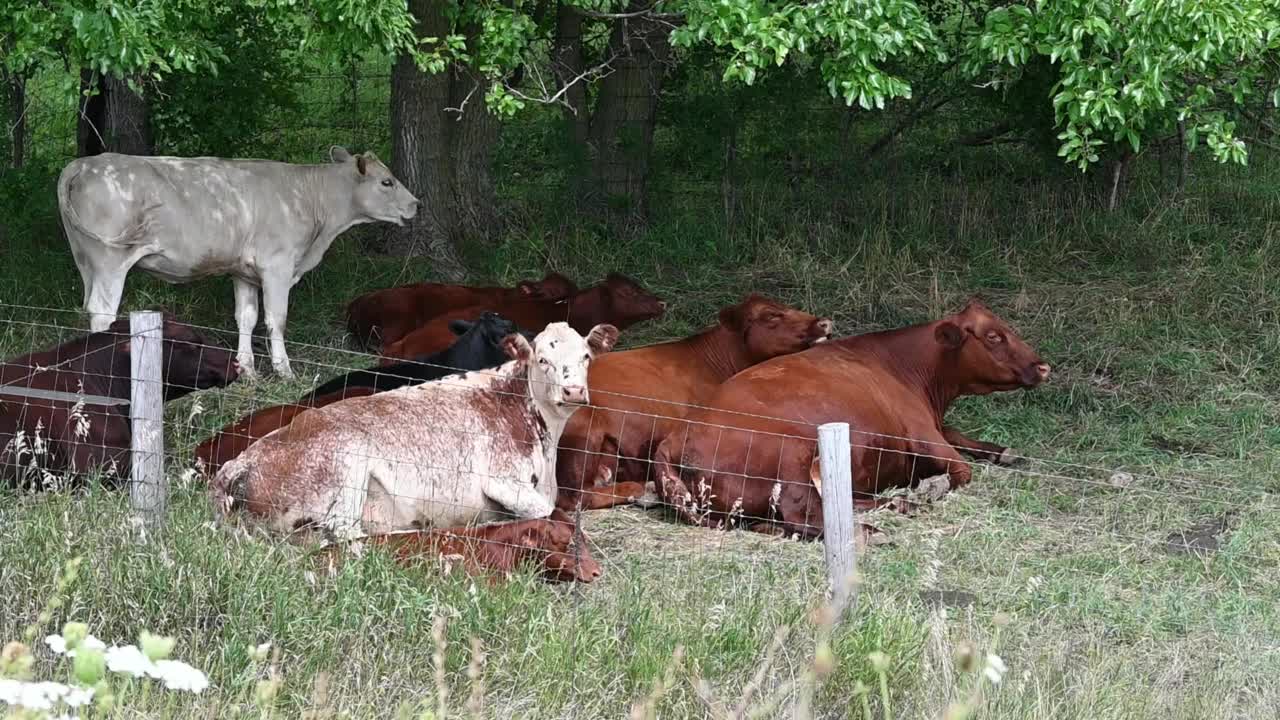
(71, 219)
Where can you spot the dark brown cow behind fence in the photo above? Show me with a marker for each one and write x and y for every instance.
(751, 453)
(381, 317)
(44, 439)
(618, 301)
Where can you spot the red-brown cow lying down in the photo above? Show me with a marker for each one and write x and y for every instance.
(893, 388)
(639, 396)
(382, 317)
(547, 544)
(618, 301)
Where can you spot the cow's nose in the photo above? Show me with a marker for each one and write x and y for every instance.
(1043, 369)
(576, 394)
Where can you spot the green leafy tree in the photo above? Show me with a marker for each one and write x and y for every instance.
(1135, 72)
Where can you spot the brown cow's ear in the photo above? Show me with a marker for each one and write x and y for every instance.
(517, 348)
(731, 317)
(949, 335)
(362, 164)
(602, 338)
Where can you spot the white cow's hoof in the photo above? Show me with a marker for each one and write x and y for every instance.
(283, 371)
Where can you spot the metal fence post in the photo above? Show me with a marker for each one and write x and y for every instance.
(837, 512)
(149, 489)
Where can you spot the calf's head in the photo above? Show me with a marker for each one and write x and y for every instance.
(565, 554)
(192, 362)
(377, 195)
(989, 356)
(625, 302)
(553, 286)
(769, 329)
(557, 363)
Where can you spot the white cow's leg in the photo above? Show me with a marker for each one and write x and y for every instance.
(103, 296)
(246, 321)
(275, 301)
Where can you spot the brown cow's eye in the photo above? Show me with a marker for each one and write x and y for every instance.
(994, 336)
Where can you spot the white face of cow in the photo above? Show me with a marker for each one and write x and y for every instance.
(378, 194)
(558, 361)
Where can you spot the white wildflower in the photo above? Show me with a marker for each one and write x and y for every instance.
(32, 695)
(995, 669)
(58, 644)
(10, 691)
(178, 675)
(129, 660)
(78, 697)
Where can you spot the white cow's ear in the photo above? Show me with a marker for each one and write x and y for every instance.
(602, 338)
(517, 348)
(362, 164)
(339, 154)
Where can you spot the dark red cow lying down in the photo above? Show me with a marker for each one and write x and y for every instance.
(547, 545)
(382, 317)
(618, 301)
(735, 463)
(42, 439)
(639, 395)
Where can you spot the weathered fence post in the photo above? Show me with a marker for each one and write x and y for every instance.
(837, 512)
(149, 489)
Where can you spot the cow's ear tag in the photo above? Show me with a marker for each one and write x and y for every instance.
(815, 473)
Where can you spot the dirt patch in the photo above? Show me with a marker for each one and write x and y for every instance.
(1202, 539)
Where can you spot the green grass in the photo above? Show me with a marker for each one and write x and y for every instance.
(1162, 322)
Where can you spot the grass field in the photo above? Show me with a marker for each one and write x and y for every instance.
(1162, 322)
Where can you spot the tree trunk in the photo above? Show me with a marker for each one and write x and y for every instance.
(622, 126)
(113, 119)
(17, 86)
(1117, 174)
(1184, 156)
(91, 116)
(128, 119)
(568, 65)
(473, 136)
(420, 142)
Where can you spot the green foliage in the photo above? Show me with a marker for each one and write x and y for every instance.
(849, 40)
(1129, 72)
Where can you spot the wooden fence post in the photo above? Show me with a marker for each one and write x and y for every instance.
(149, 489)
(837, 513)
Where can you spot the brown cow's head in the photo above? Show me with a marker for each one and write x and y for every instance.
(192, 362)
(553, 286)
(992, 357)
(626, 302)
(565, 558)
(377, 195)
(770, 329)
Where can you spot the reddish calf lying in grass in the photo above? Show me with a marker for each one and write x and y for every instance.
(548, 544)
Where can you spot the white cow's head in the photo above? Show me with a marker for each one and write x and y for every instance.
(378, 194)
(557, 362)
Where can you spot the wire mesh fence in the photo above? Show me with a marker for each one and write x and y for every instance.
(403, 454)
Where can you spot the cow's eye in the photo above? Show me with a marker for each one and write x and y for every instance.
(586, 358)
(545, 362)
(995, 337)
(386, 182)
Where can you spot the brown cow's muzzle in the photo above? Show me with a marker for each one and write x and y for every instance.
(1034, 374)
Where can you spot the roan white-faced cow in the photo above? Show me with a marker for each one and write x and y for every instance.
(468, 448)
(264, 223)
